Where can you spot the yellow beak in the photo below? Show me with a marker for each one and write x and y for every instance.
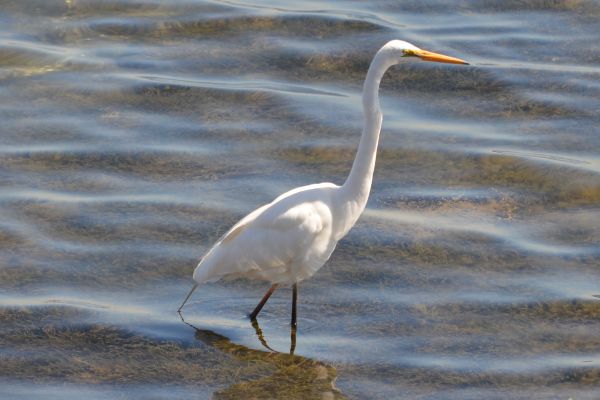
(430, 56)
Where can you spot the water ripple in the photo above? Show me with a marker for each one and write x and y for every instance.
(518, 235)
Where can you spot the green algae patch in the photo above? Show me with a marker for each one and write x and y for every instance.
(51, 343)
(48, 344)
(293, 377)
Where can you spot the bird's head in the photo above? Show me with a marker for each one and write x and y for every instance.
(402, 50)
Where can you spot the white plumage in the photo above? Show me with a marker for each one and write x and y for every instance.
(285, 241)
(289, 239)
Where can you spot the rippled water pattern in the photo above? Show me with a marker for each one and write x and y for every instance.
(134, 133)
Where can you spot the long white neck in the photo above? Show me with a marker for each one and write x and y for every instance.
(354, 192)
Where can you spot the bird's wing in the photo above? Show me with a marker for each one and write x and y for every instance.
(241, 225)
(267, 243)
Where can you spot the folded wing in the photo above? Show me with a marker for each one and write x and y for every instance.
(279, 242)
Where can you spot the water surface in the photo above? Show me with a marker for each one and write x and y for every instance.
(135, 133)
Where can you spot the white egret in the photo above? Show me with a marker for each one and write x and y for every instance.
(289, 239)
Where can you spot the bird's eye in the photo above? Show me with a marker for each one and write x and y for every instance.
(408, 53)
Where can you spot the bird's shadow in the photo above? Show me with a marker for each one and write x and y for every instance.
(287, 373)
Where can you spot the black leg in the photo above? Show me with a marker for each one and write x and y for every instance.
(186, 298)
(294, 300)
(293, 339)
(263, 301)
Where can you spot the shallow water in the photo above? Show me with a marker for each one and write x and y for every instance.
(134, 133)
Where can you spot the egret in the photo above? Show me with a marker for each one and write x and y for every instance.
(288, 240)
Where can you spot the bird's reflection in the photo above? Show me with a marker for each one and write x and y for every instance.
(289, 376)
(263, 341)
